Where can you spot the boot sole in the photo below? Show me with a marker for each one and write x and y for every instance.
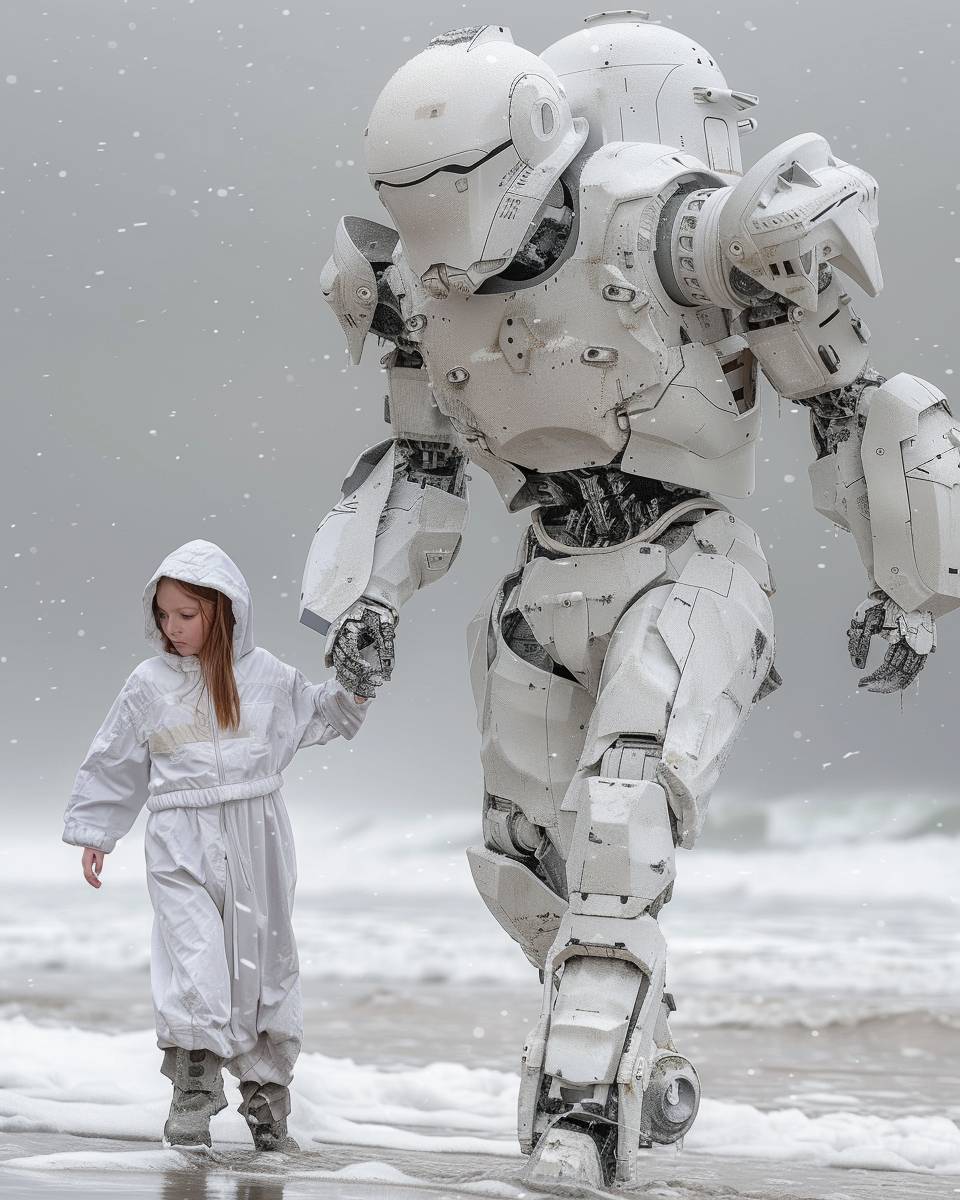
(187, 1147)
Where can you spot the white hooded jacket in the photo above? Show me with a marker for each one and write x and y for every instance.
(161, 744)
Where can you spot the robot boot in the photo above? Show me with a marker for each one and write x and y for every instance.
(265, 1107)
(197, 1096)
(601, 1079)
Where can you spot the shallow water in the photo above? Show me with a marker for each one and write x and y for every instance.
(343, 1173)
(825, 1026)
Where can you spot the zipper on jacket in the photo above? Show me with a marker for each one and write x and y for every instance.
(215, 736)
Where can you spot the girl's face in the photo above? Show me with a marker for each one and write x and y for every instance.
(183, 618)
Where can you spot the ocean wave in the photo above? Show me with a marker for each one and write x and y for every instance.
(823, 820)
(754, 937)
(847, 850)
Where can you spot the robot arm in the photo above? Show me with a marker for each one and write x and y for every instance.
(887, 470)
(396, 528)
(909, 449)
(398, 524)
(888, 457)
(426, 510)
(888, 460)
(888, 451)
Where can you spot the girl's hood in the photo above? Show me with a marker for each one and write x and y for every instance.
(206, 565)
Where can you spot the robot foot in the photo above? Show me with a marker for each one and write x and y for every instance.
(569, 1156)
(573, 1155)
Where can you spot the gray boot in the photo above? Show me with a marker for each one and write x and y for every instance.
(197, 1095)
(265, 1108)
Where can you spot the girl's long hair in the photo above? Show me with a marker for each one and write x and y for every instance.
(216, 653)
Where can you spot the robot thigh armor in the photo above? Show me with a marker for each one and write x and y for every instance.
(667, 642)
(683, 666)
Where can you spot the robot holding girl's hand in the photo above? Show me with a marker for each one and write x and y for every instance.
(201, 733)
(580, 284)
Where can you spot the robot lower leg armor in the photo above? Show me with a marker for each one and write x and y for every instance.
(600, 1064)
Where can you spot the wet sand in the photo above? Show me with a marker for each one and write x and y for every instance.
(240, 1175)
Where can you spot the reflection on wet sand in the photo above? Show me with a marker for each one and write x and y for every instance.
(252, 1190)
(177, 1185)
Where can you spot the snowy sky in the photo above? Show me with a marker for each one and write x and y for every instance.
(172, 176)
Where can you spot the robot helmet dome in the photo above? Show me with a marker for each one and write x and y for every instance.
(620, 39)
(636, 81)
(464, 145)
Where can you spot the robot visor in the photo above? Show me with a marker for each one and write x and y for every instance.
(462, 217)
(458, 163)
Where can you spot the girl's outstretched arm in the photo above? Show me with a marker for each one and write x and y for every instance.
(323, 711)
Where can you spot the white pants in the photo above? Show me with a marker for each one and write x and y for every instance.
(224, 968)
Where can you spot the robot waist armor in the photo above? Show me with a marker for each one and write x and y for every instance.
(573, 596)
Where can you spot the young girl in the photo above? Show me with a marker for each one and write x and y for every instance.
(201, 733)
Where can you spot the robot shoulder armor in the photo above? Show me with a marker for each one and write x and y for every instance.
(631, 170)
(621, 172)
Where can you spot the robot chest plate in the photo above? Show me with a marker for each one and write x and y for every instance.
(591, 366)
(540, 377)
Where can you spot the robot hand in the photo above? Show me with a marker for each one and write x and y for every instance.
(912, 636)
(361, 648)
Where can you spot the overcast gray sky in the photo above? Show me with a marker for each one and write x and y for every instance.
(172, 175)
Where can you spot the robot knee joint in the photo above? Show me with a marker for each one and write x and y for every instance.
(637, 756)
(506, 829)
(632, 756)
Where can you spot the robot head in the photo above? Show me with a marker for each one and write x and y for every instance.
(464, 145)
(639, 82)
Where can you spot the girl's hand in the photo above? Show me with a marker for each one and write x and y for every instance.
(92, 863)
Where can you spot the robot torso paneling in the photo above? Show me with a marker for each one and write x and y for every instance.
(591, 362)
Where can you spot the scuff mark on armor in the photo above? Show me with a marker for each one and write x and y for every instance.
(456, 37)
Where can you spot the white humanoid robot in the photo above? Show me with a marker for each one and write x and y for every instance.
(578, 288)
